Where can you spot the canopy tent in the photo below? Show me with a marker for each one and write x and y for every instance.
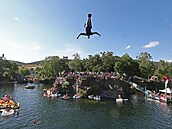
(169, 91)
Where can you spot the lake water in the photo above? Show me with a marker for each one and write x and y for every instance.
(54, 113)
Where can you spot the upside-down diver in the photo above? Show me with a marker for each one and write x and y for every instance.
(88, 27)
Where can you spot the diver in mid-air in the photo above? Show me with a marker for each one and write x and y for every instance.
(88, 27)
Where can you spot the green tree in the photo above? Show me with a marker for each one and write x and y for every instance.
(8, 69)
(76, 63)
(51, 66)
(146, 66)
(108, 61)
(126, 65)
(64, 64)
(24, 71)
(164, 69)
(93, 63)
(13, 70)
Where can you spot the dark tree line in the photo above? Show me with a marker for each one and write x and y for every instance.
(143, 66)
(8, 69)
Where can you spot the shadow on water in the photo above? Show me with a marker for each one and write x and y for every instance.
(38, 111)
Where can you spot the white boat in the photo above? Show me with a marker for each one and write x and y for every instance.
(92, 97)
(54, 95)
(119, 100)
(163, 95)
(58, 95)
(65, 97)
(7, 113)
(48, 93)
(77, 96)
(97, 97)
(30, 86)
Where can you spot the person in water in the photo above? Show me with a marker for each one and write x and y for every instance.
(88, 27)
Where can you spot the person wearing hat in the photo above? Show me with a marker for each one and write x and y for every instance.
(88, 27)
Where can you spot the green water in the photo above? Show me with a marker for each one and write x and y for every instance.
(54, 113)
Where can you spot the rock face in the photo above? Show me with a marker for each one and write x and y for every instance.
(108, 88)
(111, 94)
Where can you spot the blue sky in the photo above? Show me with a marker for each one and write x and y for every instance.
(31, 30)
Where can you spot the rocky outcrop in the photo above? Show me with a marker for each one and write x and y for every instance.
(108, 88)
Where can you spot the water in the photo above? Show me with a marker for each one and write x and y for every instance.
(54, 113)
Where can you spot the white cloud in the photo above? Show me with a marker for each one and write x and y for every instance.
(10, 46)
(21, 51)
(169, 61)
(166, 60)
(36, 46)
(128, 47)
(16, 18)
(34, 51)
(68, 49)
(151, 44)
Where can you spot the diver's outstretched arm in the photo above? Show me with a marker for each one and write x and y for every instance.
(95, 33)
(81, 34)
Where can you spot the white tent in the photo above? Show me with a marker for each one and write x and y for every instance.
(169, 91)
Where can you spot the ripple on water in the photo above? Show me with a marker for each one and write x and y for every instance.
(83, 114)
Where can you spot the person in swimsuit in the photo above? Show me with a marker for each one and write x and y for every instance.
(88, 27)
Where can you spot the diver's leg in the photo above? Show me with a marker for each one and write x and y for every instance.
(81, 34)
(92, 33)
